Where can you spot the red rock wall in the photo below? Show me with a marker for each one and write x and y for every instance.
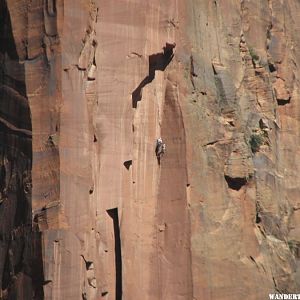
(87, 87)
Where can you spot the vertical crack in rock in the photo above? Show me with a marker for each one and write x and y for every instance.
(257, 213)
(192, 71)
(113, 213)
(158, 61)
(172, 216)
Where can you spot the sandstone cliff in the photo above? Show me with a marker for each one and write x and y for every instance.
(86, 209)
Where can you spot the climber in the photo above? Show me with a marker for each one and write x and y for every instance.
(160, 148)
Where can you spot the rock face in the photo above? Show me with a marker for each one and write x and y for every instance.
(87, 211)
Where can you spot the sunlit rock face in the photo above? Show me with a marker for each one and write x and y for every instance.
(88, 210)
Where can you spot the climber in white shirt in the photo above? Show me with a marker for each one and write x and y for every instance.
(160, 148)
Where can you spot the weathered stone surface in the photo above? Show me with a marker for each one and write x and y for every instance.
(281, 93)
(87, 211)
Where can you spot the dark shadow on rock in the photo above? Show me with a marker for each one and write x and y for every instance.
(127, 164)
(235, 183)
(157, 62)
(21, 262)
(113, 213)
